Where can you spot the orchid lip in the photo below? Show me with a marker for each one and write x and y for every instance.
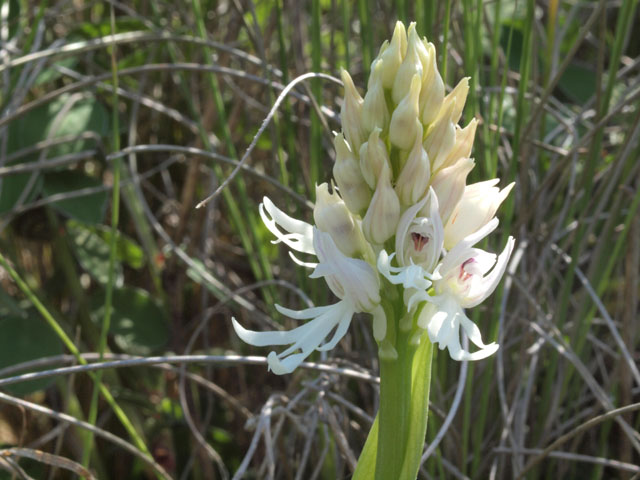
(419, 241)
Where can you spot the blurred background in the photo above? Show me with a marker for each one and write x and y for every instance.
(117, 118)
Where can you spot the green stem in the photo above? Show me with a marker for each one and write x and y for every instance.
(115, 215)
(395, 399)
(396, 440)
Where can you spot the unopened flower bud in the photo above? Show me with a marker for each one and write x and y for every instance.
(402, 129)
(351, 113)
(449, 184)
(373, 158)
(382, 216)
(332, 216)
(353, 188)
(463, 145)
(457, 96)
(441, 139)
(410, 66)
(413, 180)
(374, 110)
(478, 205)
(432, 93)
(393, 55)
(421, 49)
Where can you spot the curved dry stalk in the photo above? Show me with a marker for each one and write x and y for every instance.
(44, 457)
(62, 417)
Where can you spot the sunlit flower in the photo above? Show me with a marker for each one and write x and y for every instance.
(478, 205)
(467, 276)
(352, 280)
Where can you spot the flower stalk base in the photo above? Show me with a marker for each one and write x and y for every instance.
(394, 447)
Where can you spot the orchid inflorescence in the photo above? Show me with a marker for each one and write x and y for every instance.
(401, 223)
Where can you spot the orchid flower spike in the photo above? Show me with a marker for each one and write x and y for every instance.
(401, 214)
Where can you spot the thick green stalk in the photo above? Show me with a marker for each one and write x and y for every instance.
(395, 400)
(396, 440)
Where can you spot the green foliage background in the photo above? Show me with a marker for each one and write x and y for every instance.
(151, 103)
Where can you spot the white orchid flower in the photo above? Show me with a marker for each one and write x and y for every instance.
(414, 279)
(352, 280)
(478, 205)
(419, 239)
(418, 247)
(467, 276)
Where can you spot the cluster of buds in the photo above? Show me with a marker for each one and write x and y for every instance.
(401, 167)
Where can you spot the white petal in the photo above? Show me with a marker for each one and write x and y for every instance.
(300, 234)
(426, 314)
(304, 339)
(481, 290)
(340, 332)
(454, 257)
(472, 331)
(480, 354)
(403, 225)
(287, 365)
(349, 278)
(417, 297)
(305, 314)
(434, 327)
(444, 321)
(262, 339)
(301, 263)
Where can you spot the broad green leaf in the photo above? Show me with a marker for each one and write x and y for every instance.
(92, 252)
(53, 72)
(44, 123)
(421, 383)
(366, 468)
(127, 250)
(578, 82)
(11, 189)
(13, 19)
(138, 323)
(86, 115)
(88, 208)
(52, 121)
(26, 337)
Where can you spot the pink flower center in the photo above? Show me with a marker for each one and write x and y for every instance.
(464, 274)
(419, 241)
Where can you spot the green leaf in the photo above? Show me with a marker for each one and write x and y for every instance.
(35, 126)
(88, 208)
(138, 323)
(53, 73)
(517, 42)
(13, 19)
(419, 409)
(52, 121)
(86, 115)
(578, 82)
(92, 252)
(26, 337)
(11, 189)
(366, 468)
(127, 250)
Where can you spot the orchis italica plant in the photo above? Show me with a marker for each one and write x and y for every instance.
(396, 239)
